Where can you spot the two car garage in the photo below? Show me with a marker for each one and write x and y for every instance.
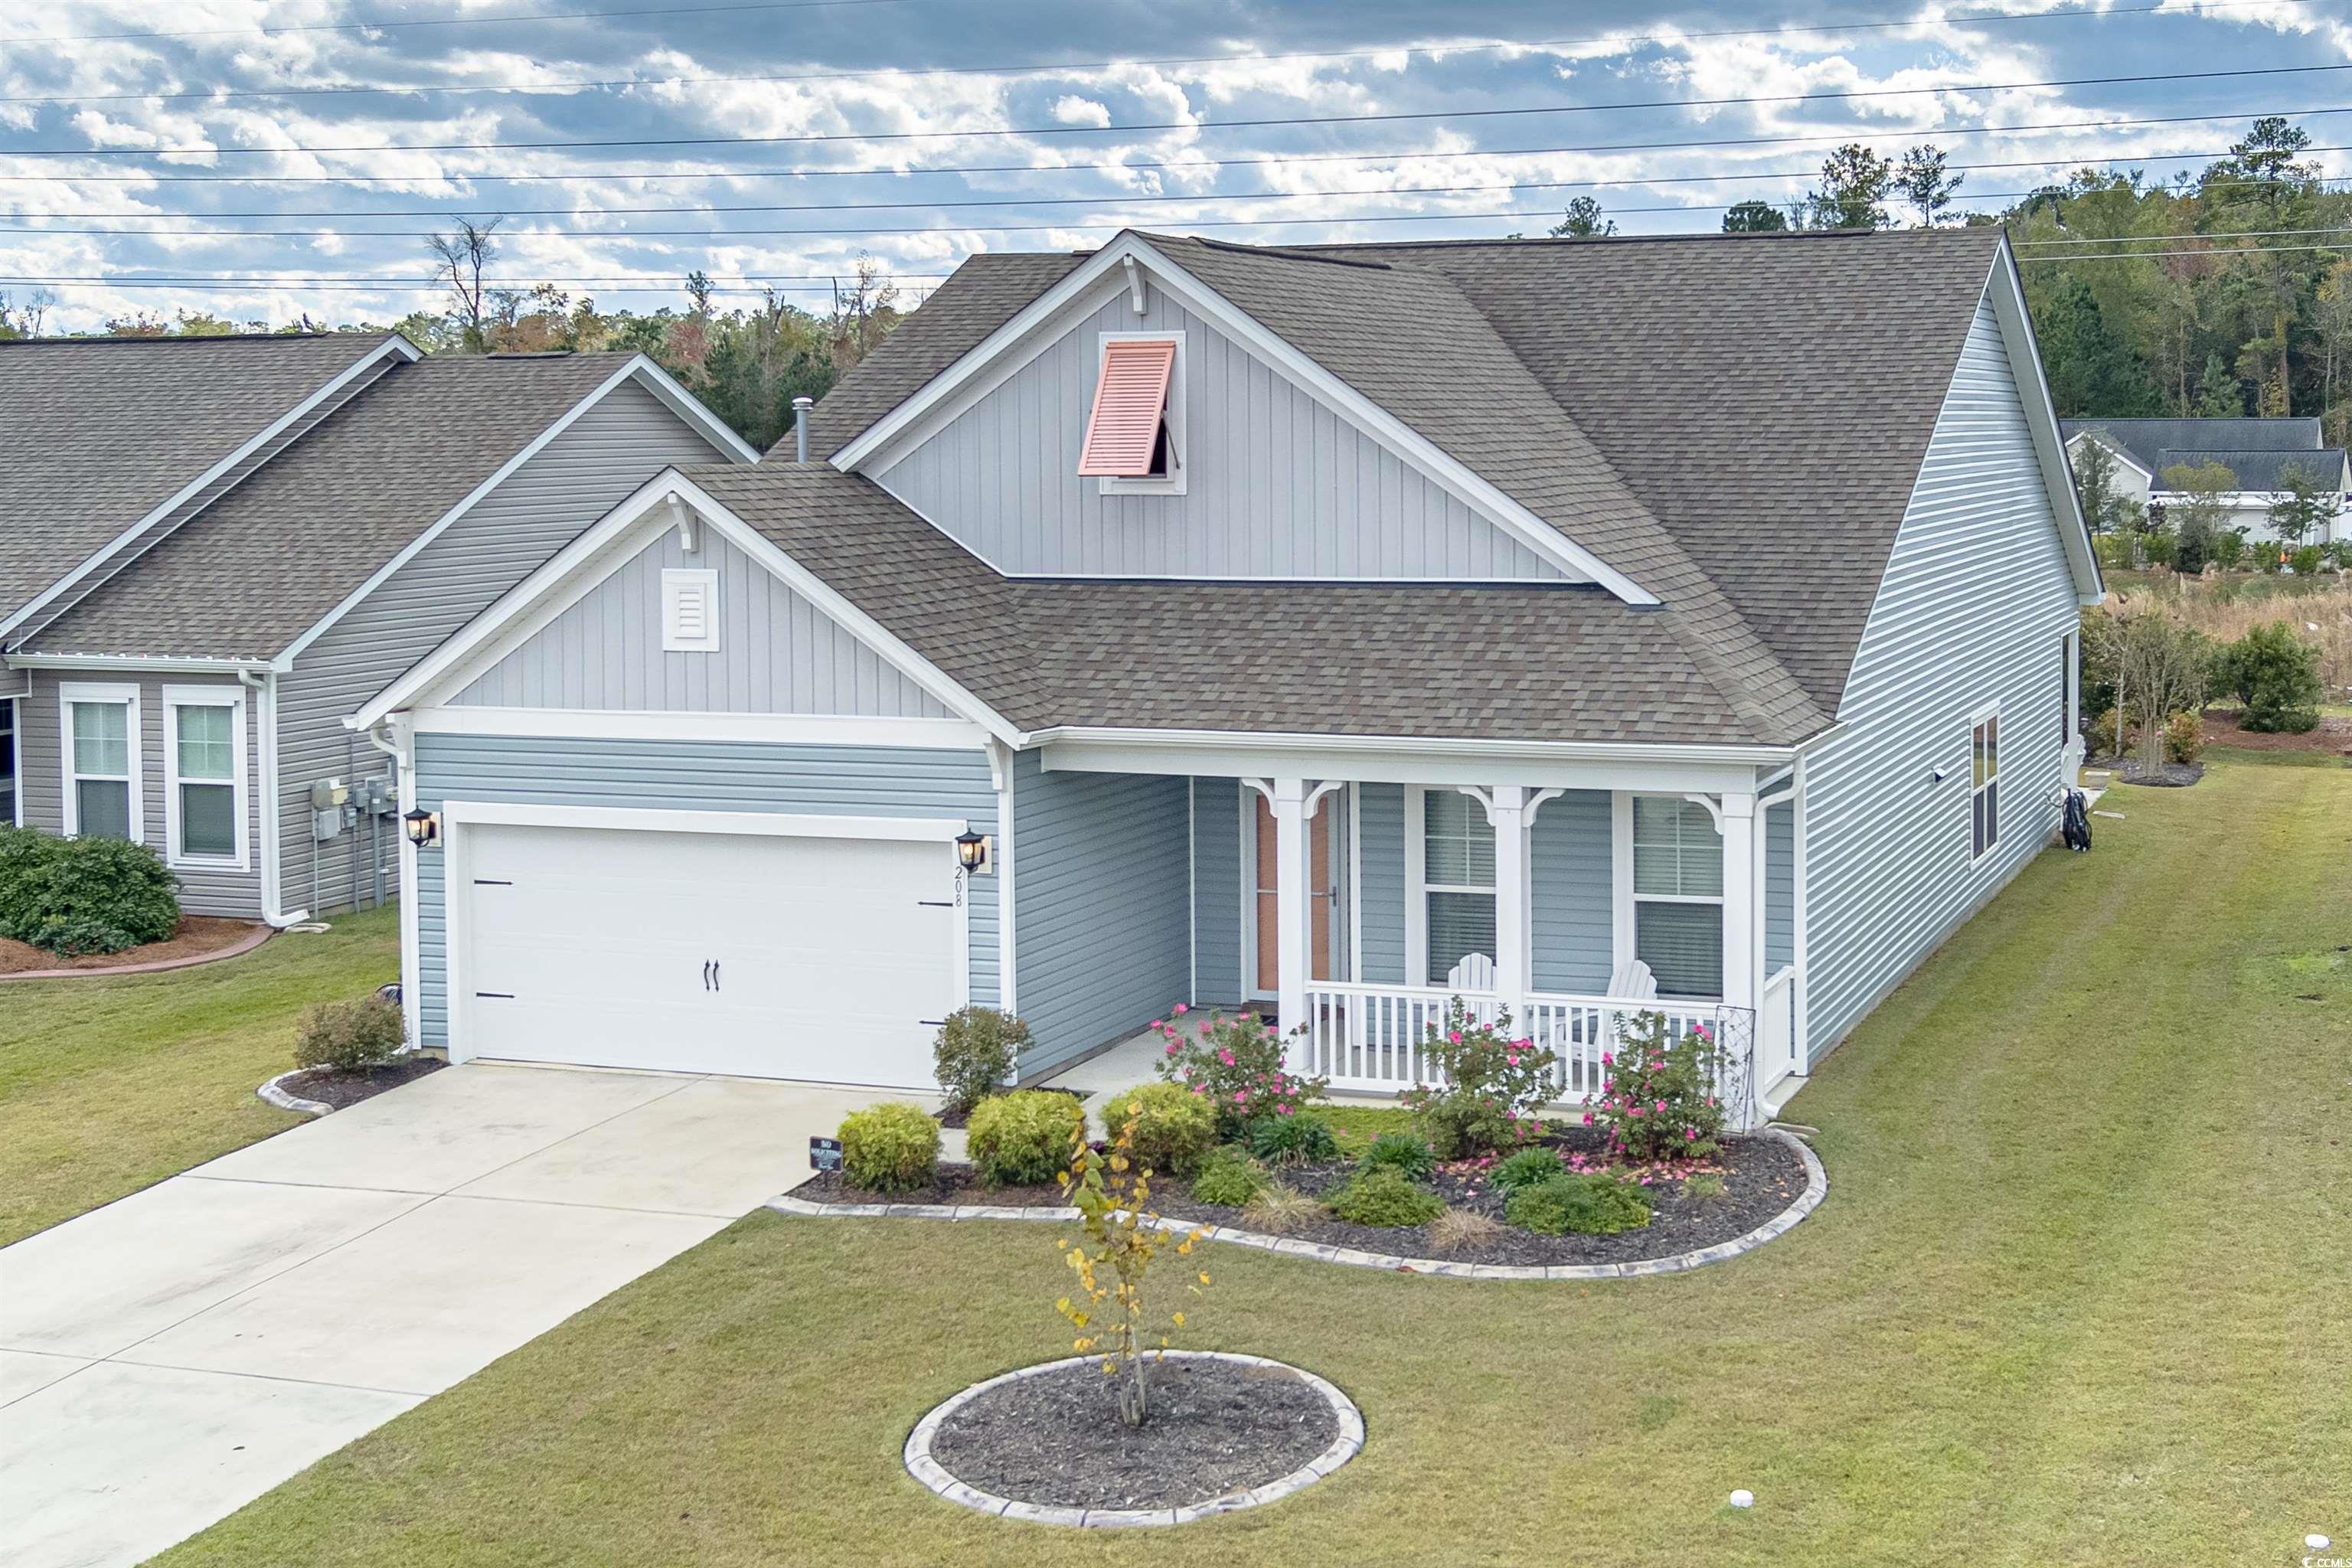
(817, 948)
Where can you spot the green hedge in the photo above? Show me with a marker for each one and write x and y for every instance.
(84, 895)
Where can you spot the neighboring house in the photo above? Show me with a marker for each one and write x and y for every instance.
(1334, 630)
(2256, 451)
(212, 550)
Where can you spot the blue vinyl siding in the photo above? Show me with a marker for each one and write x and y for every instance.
(1976, 599)
(695, 775)
(1569, 926)
(1217, 891)
(1780, 886)
(1380, 858)
(1103, 938)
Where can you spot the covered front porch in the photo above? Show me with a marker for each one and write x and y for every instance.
(1354, 894)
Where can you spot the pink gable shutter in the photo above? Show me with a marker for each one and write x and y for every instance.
(1127, 403)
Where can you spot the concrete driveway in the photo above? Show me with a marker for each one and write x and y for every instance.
(167, 1358)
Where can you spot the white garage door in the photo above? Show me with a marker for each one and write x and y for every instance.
(822, 958)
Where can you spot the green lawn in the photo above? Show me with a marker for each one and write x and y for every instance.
(109, 1085)
(2078, 1295)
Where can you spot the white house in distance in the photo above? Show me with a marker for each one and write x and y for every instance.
(1333, 630)
(2256, 450)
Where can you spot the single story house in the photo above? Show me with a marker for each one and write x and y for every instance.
(1334, 630)
(2257, 452)
(212, 550)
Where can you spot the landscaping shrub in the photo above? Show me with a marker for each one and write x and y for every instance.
(1406, 1152)
(1228, 1175)
(974, 1053)
(1235, 1063)
(1025, 1137)
(1705, 1186)
(890, 1147)
(2307, 559)
(1278, 1207)
(1458, 1230)
(1494, 1086)
(2275, 673)
(2105, 741)
(1658, 1101)
(84, 895)
(1292, 1139)
(350, 1036)
(1381, 1195)
(1526, 1168)
(2184, 737)
(1590, 1205)
(1173, 1126)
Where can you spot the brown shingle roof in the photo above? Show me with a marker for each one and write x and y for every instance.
(100, 432)
(1539, 661)
(1736, 421)
(249, 573)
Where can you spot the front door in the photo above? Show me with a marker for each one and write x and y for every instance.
(1320, 900)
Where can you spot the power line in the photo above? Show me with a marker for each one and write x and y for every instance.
(892, 169)
(1076, 67)
(1255, 123)
(1005, 200)
(2144, 255)
(2151, 238)
(383, 24)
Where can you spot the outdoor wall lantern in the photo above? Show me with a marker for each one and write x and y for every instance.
(423, 826)
(972, 851)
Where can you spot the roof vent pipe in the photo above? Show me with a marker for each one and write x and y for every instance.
(801, 406)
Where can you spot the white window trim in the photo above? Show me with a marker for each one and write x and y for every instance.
(70, 692)
(1975, 721)
(1179, 450)
(16, 705)
(674, 579)
(1625, 901)
(233, 699)
(1418, 887)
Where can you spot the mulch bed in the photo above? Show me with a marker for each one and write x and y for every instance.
(195, 936)
(342, 1090)
(954, 1118)
(1214, 1427)
(2167, 775)
(1761, 1177)
(2334, 735)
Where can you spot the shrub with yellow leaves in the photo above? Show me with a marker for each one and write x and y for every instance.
(1119, 1238)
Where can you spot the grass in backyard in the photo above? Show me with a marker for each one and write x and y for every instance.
(109, 1085)
(2077, 1296)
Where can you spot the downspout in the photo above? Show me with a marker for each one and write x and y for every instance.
(265, 689)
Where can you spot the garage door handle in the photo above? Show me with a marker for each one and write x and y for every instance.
(706, 974)
(714, 974)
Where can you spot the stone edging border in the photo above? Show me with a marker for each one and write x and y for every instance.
(276, 1094)
(928, 1471)
(237, 949)
(1817, 1188)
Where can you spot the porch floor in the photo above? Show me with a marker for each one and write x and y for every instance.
(1133, 1061)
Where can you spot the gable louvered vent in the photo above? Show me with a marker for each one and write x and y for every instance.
(689, 611)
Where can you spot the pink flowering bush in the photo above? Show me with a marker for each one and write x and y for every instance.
(1237, 1065)
(1658, 1100)
(1495, 1086)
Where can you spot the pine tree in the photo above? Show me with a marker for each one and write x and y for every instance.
(2218, 395)
(2093, 372)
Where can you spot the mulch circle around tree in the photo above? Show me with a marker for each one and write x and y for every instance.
(1762, 1178)
(1216, 1427)
(2165, 775)
(958, 1118)
(343, 1089)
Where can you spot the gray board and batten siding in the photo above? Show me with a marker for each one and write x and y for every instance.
(1976, 603)
(604, 456)
(777, 652)
(1278, 486)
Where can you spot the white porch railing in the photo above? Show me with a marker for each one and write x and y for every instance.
(1372, 1039)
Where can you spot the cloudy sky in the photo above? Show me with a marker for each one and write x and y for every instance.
(260, 159)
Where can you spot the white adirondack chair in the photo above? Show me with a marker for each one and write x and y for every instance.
(1475, 973)
(1633, 982)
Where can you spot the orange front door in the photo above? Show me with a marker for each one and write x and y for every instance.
(1318, 897)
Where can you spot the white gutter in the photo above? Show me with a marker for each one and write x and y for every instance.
(1595, 750)
(135, 664)
(265, 689)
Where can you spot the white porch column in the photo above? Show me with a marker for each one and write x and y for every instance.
(1743, 852)
(1294, 865)
(1508, 812)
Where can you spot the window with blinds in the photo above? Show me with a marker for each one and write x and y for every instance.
(1457, 880)
(204, 780)
(101, 743)
(1678, 895)
(1984, 804)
